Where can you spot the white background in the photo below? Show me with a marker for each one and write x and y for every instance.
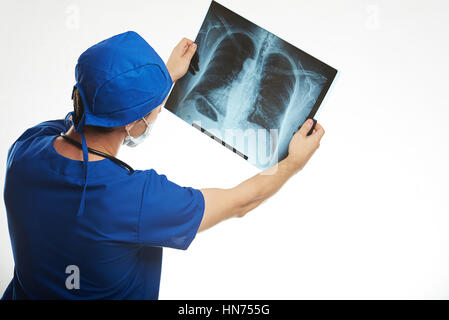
(367, 218)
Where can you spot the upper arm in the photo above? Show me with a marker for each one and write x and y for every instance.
(220, 204)
(170, 214)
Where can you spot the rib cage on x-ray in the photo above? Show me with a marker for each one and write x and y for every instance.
(248, 79)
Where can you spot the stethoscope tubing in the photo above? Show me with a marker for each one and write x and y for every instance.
(99, 153)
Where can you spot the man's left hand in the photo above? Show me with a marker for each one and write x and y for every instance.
(179, 60)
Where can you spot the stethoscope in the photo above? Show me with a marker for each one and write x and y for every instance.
(99, 153)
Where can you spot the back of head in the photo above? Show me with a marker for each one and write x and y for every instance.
(119, 80)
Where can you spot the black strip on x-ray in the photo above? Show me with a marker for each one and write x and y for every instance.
(220, 141)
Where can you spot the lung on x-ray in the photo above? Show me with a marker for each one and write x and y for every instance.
(248, 89)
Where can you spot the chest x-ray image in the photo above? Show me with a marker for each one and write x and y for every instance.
(248, 89)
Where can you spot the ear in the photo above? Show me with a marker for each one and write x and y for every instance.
(129, 126)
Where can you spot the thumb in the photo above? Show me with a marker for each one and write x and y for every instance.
(319, 131)
(305, 128)
(191, 51)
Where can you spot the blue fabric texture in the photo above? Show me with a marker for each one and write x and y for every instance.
(117, 243)
(120, 80)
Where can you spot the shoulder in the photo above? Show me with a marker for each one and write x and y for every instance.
(160, 181)
(154, 177)
(43, 129)
(159, 188)
(47, 128)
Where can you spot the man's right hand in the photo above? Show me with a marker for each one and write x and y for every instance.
(221, 204)
(302, 147)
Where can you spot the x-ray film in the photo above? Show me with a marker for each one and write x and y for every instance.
(248, 89)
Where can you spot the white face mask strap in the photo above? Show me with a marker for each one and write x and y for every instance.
(128, 130)
(131, 141)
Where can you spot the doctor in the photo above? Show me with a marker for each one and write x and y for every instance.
(85, 225)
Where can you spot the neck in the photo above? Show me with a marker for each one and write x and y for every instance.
(108, 143)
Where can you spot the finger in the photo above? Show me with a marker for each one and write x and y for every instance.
(318, 127)
(187, 41)
(319, 132)
(195, 61)
(305, 128)
(195, 67)
(182, 47)
(190, 51)
(191, 70)
(184, 43)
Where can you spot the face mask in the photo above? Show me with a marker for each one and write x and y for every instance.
(130, 141)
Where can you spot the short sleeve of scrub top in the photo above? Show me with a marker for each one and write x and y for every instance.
(170, 214)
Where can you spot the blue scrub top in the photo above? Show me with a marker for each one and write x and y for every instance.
(116, 243)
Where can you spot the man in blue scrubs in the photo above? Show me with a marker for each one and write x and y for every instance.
(83, 224)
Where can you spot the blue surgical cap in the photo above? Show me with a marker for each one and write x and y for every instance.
(120, 80)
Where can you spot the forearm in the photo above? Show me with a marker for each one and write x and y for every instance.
(260, 187)
(222, 204)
